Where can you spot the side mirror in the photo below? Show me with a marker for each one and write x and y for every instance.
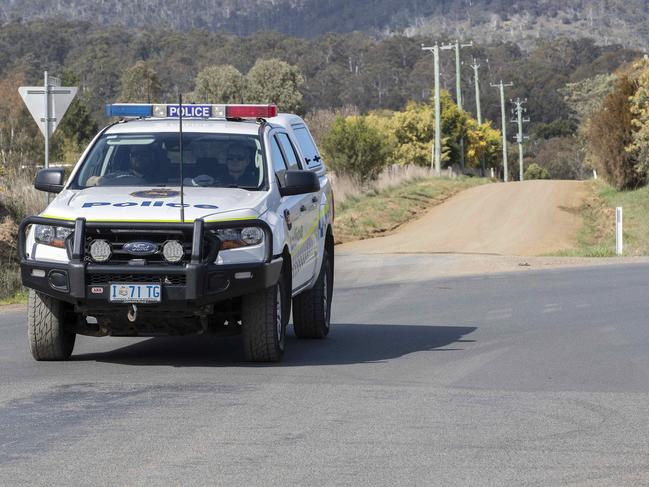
(50, 180)
(298, 182)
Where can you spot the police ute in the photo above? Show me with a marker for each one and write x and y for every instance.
(184, 219)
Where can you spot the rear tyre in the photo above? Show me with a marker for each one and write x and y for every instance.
(264, 324)
(312, 308)
(48, 337)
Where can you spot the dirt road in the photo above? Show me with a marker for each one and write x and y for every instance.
(526, 219)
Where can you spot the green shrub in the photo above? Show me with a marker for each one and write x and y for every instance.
(534, 171)
(356, 149)
(610, 133)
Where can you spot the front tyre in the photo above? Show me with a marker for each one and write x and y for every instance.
(312, 308)
(48, 337)
(264, 324)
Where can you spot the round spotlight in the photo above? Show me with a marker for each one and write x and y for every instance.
(100, 250)
(252, 235)
(173, 251)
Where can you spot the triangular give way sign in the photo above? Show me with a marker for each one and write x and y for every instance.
(60, 99)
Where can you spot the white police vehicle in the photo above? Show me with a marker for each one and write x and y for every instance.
(182, 219)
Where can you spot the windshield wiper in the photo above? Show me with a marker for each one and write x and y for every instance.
(249, 188)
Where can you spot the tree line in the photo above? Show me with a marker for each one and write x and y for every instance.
(324, 73)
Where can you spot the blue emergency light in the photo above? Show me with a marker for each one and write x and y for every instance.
(129, 110)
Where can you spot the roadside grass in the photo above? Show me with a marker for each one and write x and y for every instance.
(596, 238)
(11, 288)
(18, 198)
(383, 207)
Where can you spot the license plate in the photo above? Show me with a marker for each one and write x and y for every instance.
(134, 293)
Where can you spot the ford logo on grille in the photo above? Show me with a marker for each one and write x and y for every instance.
(140, 248)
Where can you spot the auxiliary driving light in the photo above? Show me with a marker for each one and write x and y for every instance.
(100, 250)
(173, 251)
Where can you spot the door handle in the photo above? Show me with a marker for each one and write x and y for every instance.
(287, 217)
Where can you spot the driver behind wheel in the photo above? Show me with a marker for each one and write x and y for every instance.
(141, 170)
(142, 163)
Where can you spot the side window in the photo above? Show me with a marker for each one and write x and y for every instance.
(276, 155)
(307, 145)
(289, 151)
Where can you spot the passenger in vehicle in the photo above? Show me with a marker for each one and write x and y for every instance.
(241, 169)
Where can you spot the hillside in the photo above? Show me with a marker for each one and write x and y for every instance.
(522, 22)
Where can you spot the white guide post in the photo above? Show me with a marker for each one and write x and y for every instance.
(619, 240)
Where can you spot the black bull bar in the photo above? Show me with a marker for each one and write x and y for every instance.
(198, 272)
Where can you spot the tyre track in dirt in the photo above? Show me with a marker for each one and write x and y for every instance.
(522, 218)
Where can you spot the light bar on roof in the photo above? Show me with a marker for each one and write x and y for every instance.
(139, 110)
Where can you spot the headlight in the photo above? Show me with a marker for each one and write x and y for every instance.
(53, 236)
(234, 238)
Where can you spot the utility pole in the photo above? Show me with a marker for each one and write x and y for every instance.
(437, 147)
(478, 111)
(458, 84)
(502, 87)
(476, 80)
(519, 110)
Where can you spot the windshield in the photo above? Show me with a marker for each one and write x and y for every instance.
(209, 160)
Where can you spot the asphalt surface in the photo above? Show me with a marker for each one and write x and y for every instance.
(530, 378)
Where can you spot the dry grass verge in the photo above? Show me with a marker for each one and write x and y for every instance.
(394, 199)
(597, 236)
(18, 198)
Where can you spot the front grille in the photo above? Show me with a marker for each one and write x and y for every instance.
(169, 279)
(119, 237)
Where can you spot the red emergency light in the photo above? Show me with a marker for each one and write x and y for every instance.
(250, 111)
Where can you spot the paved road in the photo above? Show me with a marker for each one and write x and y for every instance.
(538, 378)
(521, 218)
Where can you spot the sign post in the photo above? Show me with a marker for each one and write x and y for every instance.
(47, 133)
(47, 104)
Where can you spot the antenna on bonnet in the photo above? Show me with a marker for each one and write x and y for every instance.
(182, 178)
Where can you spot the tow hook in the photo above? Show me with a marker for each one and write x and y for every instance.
(132, 313)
